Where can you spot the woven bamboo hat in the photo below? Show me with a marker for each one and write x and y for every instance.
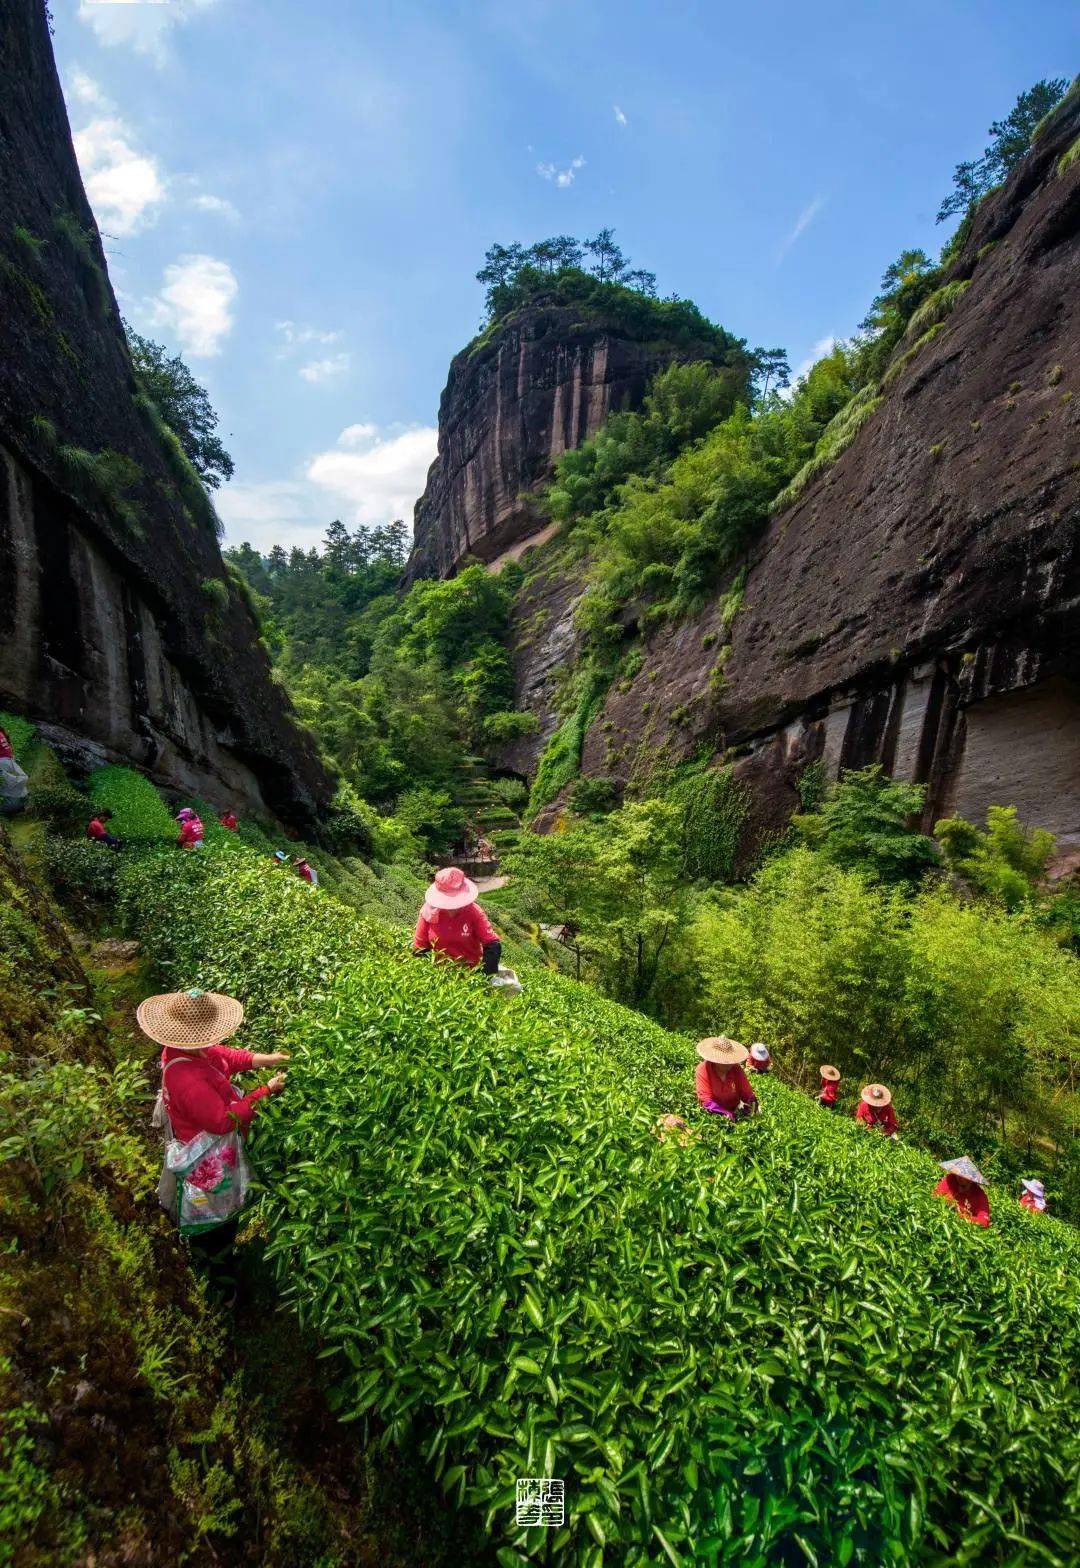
(830, 1074)
(190, 1019)
(719, 1049)
(877, 1094)
(965, 1167)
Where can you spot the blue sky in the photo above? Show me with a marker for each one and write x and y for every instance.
(297, 195)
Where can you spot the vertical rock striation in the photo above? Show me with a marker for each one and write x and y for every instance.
(542, 382)
(119, 629)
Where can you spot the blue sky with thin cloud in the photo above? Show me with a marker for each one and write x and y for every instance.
(297, 196)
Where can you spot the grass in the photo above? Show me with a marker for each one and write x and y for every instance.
(79, 244)
(940, 304)
(837, 436)
(560, 761)
(105, 477)
(1069, 157)
(191, 488)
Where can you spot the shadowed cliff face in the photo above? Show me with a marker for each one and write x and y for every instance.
(108, 635)
(920, 604)
(544, 383)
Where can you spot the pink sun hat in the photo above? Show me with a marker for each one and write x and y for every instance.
(451, 889)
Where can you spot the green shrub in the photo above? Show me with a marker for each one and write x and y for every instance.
(217, 591)
(772, 1344)
(590, 796)
(140, 816)
(560, 761)
(79, 871)
(499, 728)
(863, 822)
(1006, 860)
(21, 733)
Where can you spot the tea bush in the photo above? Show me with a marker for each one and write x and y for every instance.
(140, 816)
(768, 1345)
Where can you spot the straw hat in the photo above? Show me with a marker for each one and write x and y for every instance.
(876, 1094)
(760, 1052)
(185, 815)
(190, 1019)
(1035, 1187)
(966, 1168)
(830, 1074)
(719, 1049)
(451, 889)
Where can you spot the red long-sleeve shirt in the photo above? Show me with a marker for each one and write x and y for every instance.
(723, 1087)
(6, 747)
(191, 832)
(883, 1117)
(95, 828)
(829, 1090)
(455, 933)
(968, 1197)
(229, 820)
(1029, 1201)
(199, 1096)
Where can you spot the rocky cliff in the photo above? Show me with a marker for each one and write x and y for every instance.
(540, 382)
(120, 631)
(920, 604)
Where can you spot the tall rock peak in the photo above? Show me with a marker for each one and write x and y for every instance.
(531, 387)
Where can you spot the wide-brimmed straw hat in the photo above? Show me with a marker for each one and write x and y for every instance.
(718, 1048)
(830, 1074)
(451, 889)
(190, 1019)
(966, 1168)
(876, 1094)
(1034, 1186)
(760, 1051)
(184, 815)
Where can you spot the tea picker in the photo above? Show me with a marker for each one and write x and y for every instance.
(452, 925)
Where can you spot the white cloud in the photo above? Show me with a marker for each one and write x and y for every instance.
(86, 91)
(276, 511)
(195, 303)
(298, 337)
(802, 223)
(144, 25)
(822, 347)
(218, 205)
(561, 177)
(326, 369)
(620, 117)
(374, 475)
(125, 186)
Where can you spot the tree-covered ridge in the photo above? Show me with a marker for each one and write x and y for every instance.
(1010, 139)
(596, 276)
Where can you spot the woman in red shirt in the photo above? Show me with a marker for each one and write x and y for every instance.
(830, 1086)
(191, 829)
(962, 1186)
(196, 1075)
(722, 1086)
(1033, 1196)
(451, 923)
(875, 1109)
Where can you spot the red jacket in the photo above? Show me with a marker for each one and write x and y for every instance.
(191, 832)
(723, 1088)
(455, 933)
(829, 1090)
(6, 749)
(229, 821)
(95, 828)
(968, 1197)
(885, 1118)
(1028, 1201)
(198, 1095)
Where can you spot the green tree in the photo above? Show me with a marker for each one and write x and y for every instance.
(1009, 141)
(183, 404)
(1006, 860)
(863, 823)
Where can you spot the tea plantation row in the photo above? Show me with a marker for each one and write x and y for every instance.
(770, 1346)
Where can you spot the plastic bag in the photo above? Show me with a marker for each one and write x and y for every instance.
(205, 1182)
(14, 790)
(507, 982)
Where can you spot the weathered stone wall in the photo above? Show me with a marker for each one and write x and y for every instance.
(106, 628)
